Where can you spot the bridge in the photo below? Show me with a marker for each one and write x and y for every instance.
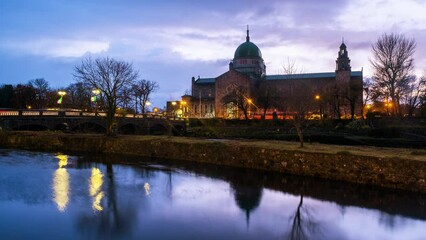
(88, 122)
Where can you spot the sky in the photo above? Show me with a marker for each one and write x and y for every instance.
(171, 41)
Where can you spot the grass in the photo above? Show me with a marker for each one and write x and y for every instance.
(379, 152)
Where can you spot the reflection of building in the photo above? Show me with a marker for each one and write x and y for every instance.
(211, 97)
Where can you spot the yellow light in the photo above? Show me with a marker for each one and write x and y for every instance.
(62, 93)
(96, 91)
(148, 103)
(147, 189)
(61, 188)
(63, 160)
(155, 109)
(183, 102)
(317, 97)
(29, 107)
(249, 101)
(95, 188)
(173, 103)
(97, 202)
(368, 106)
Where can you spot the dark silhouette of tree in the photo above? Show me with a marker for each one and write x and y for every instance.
(41, 88)
(392, 64)
(267, 97)
(413, 94)
(422, 97)
(111, 77)
(299, 103)
(334, 97)
(367, 93)
(78, 96)
(6, 96)
(24, 95)
(351, 95)
(142, 90)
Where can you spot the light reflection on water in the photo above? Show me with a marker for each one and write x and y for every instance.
(159, 200)
(95, 188)
(61, 183)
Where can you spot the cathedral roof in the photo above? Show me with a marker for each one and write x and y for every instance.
(205, 80)
(309, 75)
(247, 49)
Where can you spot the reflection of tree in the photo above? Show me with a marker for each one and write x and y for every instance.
(389, 221)
(303, 225)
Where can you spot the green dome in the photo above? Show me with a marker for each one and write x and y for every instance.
(247, 50)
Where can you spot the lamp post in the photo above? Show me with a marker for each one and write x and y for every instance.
(62, 94)
(250, 102)
(146, 107)
(318, 98)
(173, 107)
(94, 99)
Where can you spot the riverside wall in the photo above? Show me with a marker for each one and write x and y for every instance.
(390, 172)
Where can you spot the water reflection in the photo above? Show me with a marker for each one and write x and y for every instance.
(247, 192)
(303, 224)
(147, 188)
(61, 183)
(95, 188)
(180, 200)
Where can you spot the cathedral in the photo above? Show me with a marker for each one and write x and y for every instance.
(246, 91)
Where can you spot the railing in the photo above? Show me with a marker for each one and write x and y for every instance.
(67, 113)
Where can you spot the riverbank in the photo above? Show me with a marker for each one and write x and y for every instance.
(386, 167)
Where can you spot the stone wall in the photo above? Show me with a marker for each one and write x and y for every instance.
(385, 172)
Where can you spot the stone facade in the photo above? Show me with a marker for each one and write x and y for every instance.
(329, 94)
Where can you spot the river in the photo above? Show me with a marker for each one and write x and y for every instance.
(60, 196)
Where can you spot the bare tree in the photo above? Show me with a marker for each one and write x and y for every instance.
(351, 95)
(367, 92)
(78, 96)
(267, 97)
(142, 91)
(413, 94)
(239, 97)
(111, 77)
(41, 87)
(299, 103)
(393, 63)
(290, 67)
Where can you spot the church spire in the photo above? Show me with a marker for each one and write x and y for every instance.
(343, 61)
(248, 36)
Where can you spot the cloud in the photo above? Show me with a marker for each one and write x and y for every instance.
(366, 15)
(58, 48)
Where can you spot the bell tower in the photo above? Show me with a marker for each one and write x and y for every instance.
(343, 61)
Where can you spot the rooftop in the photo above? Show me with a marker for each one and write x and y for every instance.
(309, 75)
(205, 80)
(288, 76)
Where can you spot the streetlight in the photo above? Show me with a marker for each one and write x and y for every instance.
(317, 98)
(184, 109)
(250, 102)
(62, 94)
(94, 99)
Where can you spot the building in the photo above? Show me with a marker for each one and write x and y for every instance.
(246, 91)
